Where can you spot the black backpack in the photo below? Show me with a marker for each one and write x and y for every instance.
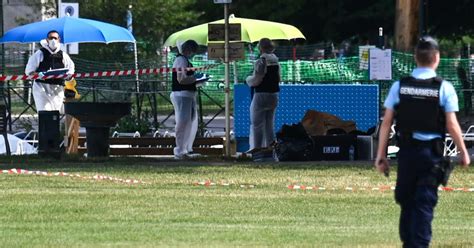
(294, 144)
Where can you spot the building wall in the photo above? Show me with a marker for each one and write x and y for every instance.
(19, 12)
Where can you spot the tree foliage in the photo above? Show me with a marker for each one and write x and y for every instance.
(319, 20)
(338, 20)
(450, 19)
(152, 19)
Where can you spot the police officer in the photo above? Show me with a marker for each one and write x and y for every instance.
(265, 82)
(183, 97)
(49, 93)
(423, 107)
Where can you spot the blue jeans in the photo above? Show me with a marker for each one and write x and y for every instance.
(416, 194)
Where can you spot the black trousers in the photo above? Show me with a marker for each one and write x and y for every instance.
(417, 193)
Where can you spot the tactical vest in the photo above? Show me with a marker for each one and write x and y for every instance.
(419, 109)
(271, 80)
(51, 61)
(176, 86)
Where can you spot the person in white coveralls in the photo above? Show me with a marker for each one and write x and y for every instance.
(49, 93)
(183, 97)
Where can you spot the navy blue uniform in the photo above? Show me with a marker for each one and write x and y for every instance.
(420, 149)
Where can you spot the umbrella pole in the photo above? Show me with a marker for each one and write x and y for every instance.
(137, 82)
(234, 64)
(226, 80)
(294, 62)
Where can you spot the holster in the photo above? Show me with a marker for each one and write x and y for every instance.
(443, 170)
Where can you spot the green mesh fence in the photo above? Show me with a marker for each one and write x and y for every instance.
(310, 64)
(347, 70)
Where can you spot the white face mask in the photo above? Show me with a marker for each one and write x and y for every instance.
(53, 44)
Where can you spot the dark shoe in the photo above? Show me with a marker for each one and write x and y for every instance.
(180, 157)
(254, 150)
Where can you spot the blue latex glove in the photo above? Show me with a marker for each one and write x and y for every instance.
(203, 77)
(198, 75)
(40, 75)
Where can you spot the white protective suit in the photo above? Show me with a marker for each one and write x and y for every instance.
(185, 109)
(48, 96)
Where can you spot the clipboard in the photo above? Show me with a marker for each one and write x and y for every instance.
(55, 72)
(202, 80)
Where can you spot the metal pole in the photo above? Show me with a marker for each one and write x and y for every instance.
(129, 20)
(234, 67)
(201, 123)
(137, 82)
(226, 81)
(3, 45)
(58, 7)
(5, 85)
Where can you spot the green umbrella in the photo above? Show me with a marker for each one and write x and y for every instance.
(252, 31)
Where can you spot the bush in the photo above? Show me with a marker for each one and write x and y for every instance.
(130, 124)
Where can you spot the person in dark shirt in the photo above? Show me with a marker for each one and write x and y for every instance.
(264, 82)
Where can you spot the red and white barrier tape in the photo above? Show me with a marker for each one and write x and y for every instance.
(64, 174)
(109, 73)
(381, 188)
(208, 183)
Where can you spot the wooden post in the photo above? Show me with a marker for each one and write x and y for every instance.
(406, 24)
(72, 134)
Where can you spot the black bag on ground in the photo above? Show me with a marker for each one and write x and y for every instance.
(294, 144)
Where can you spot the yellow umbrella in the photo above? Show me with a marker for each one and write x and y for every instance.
(252, 31)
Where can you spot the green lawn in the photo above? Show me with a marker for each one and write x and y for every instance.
(40, 211)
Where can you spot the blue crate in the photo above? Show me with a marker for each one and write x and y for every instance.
(242, 144)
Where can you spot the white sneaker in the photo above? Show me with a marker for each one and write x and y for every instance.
(193, 155)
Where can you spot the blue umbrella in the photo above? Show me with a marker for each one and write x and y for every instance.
(71, 30)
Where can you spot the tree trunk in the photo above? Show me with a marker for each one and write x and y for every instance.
(406, 24)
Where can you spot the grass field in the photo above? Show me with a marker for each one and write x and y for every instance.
(54, 211)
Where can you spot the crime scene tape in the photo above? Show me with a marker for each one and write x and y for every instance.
(381, 188)
(208, 183)
(64, 174)
(109, 73)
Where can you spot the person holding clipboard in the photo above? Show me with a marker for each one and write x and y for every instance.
(183, 96)
(49, 60)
